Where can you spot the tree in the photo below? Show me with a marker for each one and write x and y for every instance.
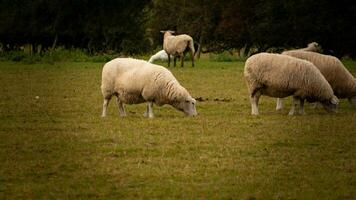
(103, 25)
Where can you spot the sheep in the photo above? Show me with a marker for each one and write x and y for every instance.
(313, 47)
(161, 55)
(177, 45)
(280, 76)
(135, 81)
(339, 78)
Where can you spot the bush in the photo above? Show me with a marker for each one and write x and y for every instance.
(225, 57)
(13, 56)
(59, 54)
(102, 58)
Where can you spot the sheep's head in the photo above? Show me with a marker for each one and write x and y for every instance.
(314, 46)
(331, 104)
(167, 33)
(187, 105)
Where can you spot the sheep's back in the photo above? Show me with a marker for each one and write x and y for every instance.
(177, 44)
(340, 79)
(285, 73)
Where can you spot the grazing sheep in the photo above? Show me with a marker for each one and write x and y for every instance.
(280, 76)
(339, 78)
(313, 47)
(161, 55)
(135, 81)
(177, 45)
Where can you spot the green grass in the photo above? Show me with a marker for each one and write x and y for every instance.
(57, 146)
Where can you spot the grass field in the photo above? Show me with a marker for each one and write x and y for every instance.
(57, 146)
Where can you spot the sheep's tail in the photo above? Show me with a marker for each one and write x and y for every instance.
(191, 50)
(191, 46)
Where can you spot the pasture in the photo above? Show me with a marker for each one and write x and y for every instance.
(55, 145)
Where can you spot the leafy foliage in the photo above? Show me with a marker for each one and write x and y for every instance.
(263, 24)
(132, 27)
(94, 25)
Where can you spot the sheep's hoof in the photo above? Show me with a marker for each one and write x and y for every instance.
(148, 115)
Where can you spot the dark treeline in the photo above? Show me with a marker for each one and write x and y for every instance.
(132, 26)
(96, 25)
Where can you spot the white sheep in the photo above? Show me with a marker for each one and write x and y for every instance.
(339, 78)
(280, 76)
(176, 45)
(135, 81)
(313, 47)
(161, 55)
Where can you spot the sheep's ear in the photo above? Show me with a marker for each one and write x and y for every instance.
(171, 31)
(334, 100)
(162, 31)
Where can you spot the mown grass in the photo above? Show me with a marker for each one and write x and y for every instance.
(56, 146)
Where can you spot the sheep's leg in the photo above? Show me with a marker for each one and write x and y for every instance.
(279, 105)
(105, 106)
(294, 104)
(316, 105)
(301, 109)
(192, 56)
(352, 101)
(182, 60)
(169, 59)
(121, 108)
(149, 110)
(254, 103)
(175, 60)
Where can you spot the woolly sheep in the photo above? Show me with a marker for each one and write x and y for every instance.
(135, 81)
(313, 47)
(278, 75)
(161, 55)
(339, 78)
(177, 45)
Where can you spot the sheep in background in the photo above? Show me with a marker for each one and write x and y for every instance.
(161, 55)
(177, 45)
(280, 76)
(135, 81)
(313, 47)
(340, 79)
